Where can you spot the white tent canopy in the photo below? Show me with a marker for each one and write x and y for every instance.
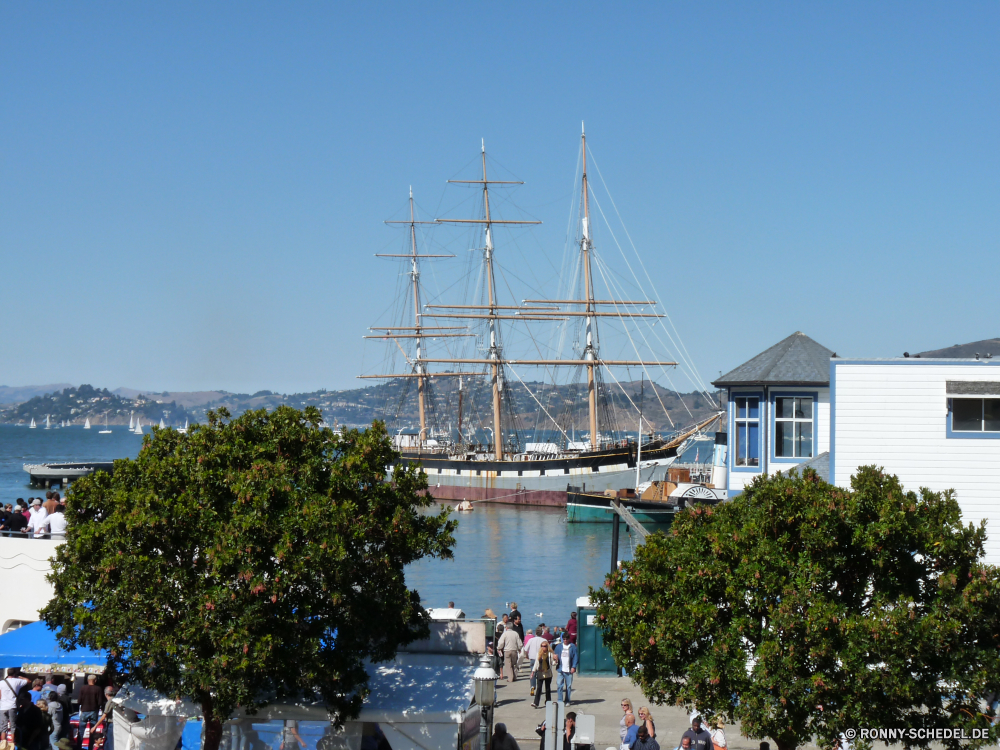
(419, 701)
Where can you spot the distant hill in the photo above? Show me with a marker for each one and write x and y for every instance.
(965, 351)
(76, 405)
(17, 394)
(182, 398)
(395, 402)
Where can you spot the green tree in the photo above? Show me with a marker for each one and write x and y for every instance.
(804, 610)
(253, 557)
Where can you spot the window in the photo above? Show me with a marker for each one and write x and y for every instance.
(747, 431)
(975, 414)
(793, 427)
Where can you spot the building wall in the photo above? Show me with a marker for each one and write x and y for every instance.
(24, 563)
(740, 476)
(894, 414)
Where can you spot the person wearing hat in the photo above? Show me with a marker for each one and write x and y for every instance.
(36, 521)
(568, 659)
(502, 740)
(719, 735)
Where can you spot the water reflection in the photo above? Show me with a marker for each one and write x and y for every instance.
(507, 553)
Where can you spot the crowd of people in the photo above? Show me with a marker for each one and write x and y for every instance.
(639, 733)
(36, 714)
(550, 652)
(34, 517)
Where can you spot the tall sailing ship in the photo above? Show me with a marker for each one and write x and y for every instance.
(503, 467)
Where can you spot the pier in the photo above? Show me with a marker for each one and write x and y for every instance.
(58, 475)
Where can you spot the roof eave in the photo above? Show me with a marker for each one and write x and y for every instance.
(770, 383)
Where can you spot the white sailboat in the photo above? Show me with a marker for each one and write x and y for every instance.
(183, 430)
(106, 430)
(86, 424)
(47, 425)
(162, 426)
(32, 426)
(138, 426)
(131, 422)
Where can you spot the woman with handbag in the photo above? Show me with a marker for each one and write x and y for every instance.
(541, 672)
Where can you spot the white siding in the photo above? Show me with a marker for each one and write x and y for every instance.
(895, 414)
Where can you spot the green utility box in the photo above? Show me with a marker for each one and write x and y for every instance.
(594, 655)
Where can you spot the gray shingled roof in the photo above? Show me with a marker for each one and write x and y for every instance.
(797, 360)
(820, 464)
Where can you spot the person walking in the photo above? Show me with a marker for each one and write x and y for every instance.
(530, 649)
(502, 740)
(719, 736)
(510, 646)
(571, 627)
(629, 731)
(55, 710)
(541, 671)
(91, 701)
(646, 719)
(700, 738)
(516, 624)
(626, 711)
(10, 687)
(644, 741)
(569, 660)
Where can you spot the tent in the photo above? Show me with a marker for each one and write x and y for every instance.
(34, 649)
(418, 701)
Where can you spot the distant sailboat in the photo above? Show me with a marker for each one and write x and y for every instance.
(47, 425)
(162, 426)
(183, 430)
(32, 425)
(86, 424)
(106, 430)
(138, 426)
(131, 423)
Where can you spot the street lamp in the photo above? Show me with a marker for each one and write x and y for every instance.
(485, 695)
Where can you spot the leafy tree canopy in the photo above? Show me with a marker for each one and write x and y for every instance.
(803, 610)
(252, 558)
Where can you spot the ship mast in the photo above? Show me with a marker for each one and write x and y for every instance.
(495, 354)
(418, 331)
(528, 310)
(590, 352)
(421, 368)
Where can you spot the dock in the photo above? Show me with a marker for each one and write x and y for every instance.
(58, 475)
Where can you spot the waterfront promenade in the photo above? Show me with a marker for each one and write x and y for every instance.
(601, 697)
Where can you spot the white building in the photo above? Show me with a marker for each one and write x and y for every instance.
(934, 423)
(779, 410)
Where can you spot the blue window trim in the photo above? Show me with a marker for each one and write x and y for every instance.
(966, 434)
(761, 436)
(772, 456)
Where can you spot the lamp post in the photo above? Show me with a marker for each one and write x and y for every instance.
(485, 695)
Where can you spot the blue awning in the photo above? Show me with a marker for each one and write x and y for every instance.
(37, 646)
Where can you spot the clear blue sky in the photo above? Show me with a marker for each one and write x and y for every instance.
(191, 194)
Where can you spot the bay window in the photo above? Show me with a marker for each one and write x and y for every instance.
(747, 424)
(793, 427)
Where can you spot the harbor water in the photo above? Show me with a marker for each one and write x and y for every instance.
(502, 553)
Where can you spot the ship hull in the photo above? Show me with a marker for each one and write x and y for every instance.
(584, 507)
(542, 482)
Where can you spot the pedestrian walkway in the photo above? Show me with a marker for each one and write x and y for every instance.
(601, 697)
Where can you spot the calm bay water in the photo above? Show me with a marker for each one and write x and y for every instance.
(502, 553)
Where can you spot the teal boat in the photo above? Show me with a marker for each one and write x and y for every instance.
(584, 507)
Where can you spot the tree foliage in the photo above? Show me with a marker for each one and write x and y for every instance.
(803, 610)
(252, 558)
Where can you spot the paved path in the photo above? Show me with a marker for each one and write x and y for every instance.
(600, 696)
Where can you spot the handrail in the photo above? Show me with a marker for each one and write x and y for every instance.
(629, 519)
